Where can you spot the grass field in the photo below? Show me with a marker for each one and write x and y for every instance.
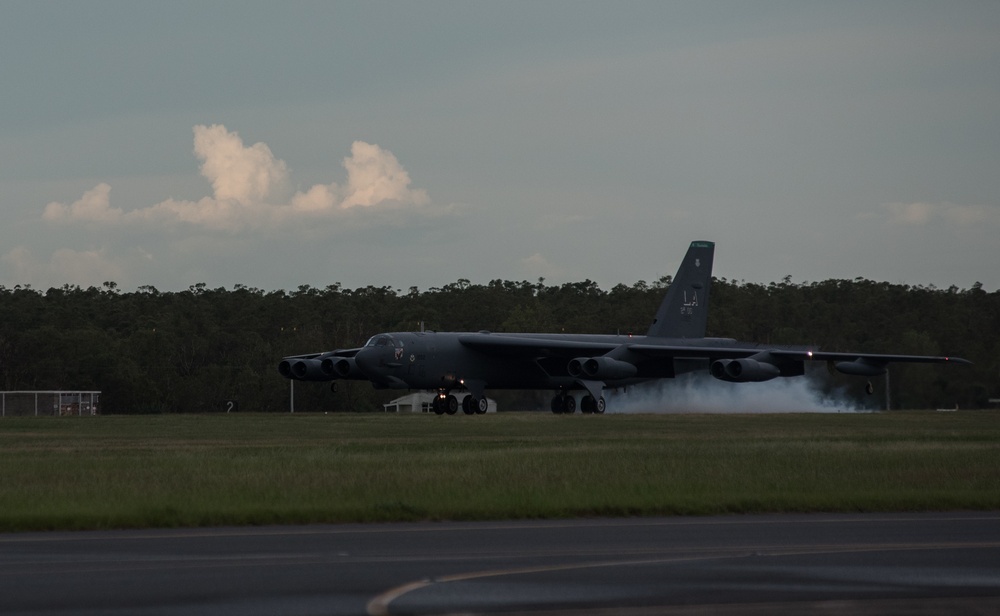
(195, 470)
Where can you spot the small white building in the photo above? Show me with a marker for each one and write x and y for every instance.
(420, 402)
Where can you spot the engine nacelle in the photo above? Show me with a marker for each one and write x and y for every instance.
(601, 368)
(860, 367)
(302, 369)
(341, 368)
(744, 370)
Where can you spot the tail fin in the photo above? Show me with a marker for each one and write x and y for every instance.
(684, 311)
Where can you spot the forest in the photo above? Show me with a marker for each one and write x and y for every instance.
(190, 351)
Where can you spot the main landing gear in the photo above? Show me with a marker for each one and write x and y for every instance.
(445, 404)
(448, 403)
(565, 403)
(473, 405)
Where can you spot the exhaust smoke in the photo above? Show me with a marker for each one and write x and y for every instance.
(701, 393)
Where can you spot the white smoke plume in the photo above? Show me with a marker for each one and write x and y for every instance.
(247, 182)
(701, 393)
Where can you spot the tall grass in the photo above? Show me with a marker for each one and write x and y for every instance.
(192, 470)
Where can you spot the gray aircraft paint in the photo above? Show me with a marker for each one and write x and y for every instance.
(674, 344)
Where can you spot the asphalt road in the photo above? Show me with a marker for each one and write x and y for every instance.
(773, 564)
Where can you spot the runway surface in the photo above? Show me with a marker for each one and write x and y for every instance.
(771, 564)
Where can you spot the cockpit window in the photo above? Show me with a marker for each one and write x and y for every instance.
(379, 340)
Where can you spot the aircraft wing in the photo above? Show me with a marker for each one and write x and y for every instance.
(530, 346)
(309, 367)
(871, 357)
(739, 351)
(325, 354)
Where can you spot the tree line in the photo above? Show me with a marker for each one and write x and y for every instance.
(191, 351)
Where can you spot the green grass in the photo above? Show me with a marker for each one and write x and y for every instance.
(195, 470)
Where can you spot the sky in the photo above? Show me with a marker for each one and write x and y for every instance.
(275, 145)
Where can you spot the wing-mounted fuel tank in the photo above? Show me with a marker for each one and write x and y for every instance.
(755, 369)
(860, 367)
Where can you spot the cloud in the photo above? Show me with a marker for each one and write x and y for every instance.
(375, 176)
(538, 266)
(922, 214)
(242, 174)
(66, 266)
(246, 182)
(93, 206)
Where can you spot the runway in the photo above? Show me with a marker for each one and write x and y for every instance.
(770, 564)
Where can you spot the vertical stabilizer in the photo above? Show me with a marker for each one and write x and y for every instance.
(684, 311)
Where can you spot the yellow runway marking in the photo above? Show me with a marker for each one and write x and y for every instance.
(379, 605)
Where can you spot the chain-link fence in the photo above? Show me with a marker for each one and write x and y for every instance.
(49, 403)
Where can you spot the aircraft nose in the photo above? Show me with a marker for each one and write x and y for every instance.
(367, 361)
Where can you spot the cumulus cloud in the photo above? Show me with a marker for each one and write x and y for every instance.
(922, 214)
(374, 176)
(246, 182)
(94, 206)
(238, 173)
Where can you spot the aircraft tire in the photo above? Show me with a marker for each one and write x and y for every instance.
(481, 405)
(569, 405)
(557, 406)
(467, 405)
(438, 406)
(601, 405)
(451, 404)
(588, 405)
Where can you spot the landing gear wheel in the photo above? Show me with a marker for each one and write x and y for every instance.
(438, 405)
(481, 405)
(601, 405)
(450, 404)
(588, 405)
(467, 405)
(569, 404)
(557, 404)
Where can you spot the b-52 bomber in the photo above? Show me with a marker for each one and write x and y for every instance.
(469, 363)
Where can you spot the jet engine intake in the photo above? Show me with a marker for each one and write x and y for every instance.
(302, 369)
(601, 368)
(744, 370)
(341, 368)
